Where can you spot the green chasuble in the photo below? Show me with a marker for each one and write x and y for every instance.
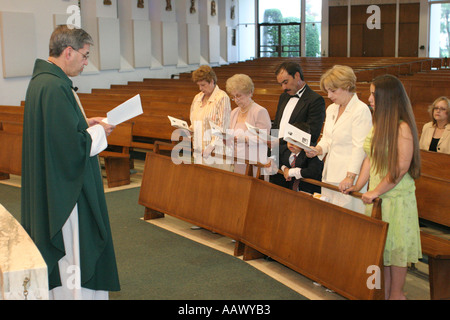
(57, 173)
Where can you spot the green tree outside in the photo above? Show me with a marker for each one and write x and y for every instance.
(445, 30)
(290, 35)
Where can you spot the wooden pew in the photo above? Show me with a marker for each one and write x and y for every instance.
(117, 156)
(11, 126)
(366, 68)
(324, 242)
(11, 148)
(158, 99)
(11, 113)
(329, 244)
(432, 191)
(11, 154)
(186, 194)
(435, 164)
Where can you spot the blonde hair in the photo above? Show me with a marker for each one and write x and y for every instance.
(241, 83)
(204, 72)
(337, 77)
(430, 108)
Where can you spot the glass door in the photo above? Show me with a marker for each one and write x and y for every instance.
(279, 40)
(279, 28)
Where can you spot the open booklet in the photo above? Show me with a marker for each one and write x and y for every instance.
(125, 111)
(262, 133)
(216, 130)
(298, 137)
(178, 123)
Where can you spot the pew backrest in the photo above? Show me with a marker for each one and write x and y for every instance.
(433, 188)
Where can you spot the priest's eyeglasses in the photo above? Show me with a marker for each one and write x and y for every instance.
(85, 56)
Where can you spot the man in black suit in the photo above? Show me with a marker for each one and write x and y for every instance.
(298, 103)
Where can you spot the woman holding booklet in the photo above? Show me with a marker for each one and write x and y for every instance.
(210, 105)
(247, 146)
(347, 123)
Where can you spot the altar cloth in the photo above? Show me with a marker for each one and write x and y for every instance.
(22, 268)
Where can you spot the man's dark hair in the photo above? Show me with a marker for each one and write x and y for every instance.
(291, 68)
(64, 36)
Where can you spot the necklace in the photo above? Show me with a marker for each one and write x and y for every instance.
(247, 107)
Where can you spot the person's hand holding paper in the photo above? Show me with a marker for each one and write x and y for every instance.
(103, 122)
(126, 111)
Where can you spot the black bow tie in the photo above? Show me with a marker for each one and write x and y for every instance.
(297, 95)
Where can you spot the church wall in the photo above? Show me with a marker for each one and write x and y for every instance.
(411, 38)
(131, 42)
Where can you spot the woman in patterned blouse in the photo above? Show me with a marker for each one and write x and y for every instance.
(211, 104)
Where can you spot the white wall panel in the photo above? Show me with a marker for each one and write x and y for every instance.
(18, 43)
(214, 43)
(109, 43)
(142, 43)
(169, 43)
(193, 43)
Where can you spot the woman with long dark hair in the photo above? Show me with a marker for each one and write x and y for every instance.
(392, 163)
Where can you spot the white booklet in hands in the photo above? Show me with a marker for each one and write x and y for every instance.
(262, 133)
(298, 137)
(178, 123)
(126, 111)
(217, 130)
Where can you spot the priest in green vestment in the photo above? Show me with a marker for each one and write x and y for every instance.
(63, 203)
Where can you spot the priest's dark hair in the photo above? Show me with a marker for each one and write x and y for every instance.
(68, 36)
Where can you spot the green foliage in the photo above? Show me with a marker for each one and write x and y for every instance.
(290, 36)
(445, 30)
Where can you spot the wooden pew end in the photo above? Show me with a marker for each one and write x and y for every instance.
(251, 254)
(117, 169)
(151, 214)
(4, 176)
(238, 249)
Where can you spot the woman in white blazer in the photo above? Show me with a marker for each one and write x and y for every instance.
(436, 133)
(347, 123)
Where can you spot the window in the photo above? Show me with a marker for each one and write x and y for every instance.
(313, 19)
(439, 29)
(278, 10)
(280, 30)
